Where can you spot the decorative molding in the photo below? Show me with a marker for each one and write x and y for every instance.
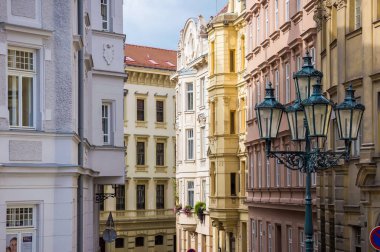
(108, 53)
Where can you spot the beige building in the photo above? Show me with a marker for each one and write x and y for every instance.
(143, 208)
(226, 90)
(349, 195)
(193, 229)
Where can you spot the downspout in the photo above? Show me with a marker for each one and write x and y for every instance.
(80, 132)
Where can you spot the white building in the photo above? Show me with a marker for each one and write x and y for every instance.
(61, 120)
(192, 132)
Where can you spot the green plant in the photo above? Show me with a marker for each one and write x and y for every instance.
(200, 207)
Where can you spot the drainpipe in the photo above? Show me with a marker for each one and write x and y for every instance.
(80, 132)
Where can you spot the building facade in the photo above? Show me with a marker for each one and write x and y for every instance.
(192, 167)
(59, 70)
(348, 195)
(143, 208)
(226, 152)
(279, 33)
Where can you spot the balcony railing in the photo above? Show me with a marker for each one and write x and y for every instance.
(137, 214)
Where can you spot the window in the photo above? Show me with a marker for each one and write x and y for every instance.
(261, 233)
(202, 89)
(189, 96)
(299, 5)
(288, 172)
(356, 238)
(159, 111)
(258, 30)
(266, 23)
(258, 91)
(159, 240)
(277, 84)
(101, 203)
(140, 110)
(286, 10)
(276, 14)
(204, 190)
(21, 228)
(203, 140)
(316, 241)
(140, 153)
(106, 122)
(140, 197)
(357, 11)
(250, 40)
(251, 169)
(314, 179)
(160, 154)
(300, 178)
(290, 239)
(232, 122)
(190, 193)
(120, 197)
(268, 172)
(259, 167)
(253, 238)
(233, 184)
(269, 237)
(190, 144)
(232, 61)
(119, 243)
(104, 11)
(160, 196)
(299, 62)
(302, 240)
(312, 55)
(213, 60)
(287, 83)
(21, 88)
(278, 173)
(139, 242)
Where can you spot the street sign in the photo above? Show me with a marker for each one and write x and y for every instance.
(374, 238)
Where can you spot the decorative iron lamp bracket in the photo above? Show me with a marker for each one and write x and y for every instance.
(100, 197)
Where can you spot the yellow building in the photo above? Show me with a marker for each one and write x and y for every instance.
(226, 152)
(349, 195)
(143, 209)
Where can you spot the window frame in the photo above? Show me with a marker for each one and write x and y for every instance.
(20, 74)
(106, 21)
(190, 144)
(287, 10)
(190, 193)
(120, 197)
(276, 15)
(140, 112)
(140, 202)
(189, 96)
(258, 30)
(160, 196)
(287, 83)
(140, 153)
(160, 111)
(162, 154)
(108, 118)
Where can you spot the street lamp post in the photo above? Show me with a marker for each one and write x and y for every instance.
(309, 118)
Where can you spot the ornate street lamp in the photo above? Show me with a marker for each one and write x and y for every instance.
(296, 120)
(308, 118)
(306, 77)
(269, 114)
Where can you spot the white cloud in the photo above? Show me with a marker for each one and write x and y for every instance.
(158, 22)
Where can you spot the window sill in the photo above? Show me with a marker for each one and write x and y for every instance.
(354, 33)
(141, 124)
(285, 27)
(13, 128)
(376, 24)
(249, 56)
(274, 35)
(141, 168)
(256, 50)
(202, 107)
(160, 125)
(189, 112)
(161, 168)
(189, 161)
(265, 43)
(296, 18)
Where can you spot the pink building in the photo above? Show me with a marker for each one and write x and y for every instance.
(278, 34)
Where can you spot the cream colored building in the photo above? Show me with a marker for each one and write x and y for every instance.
(348, 196)
(143, 208)
(192, 132)
(227, 153)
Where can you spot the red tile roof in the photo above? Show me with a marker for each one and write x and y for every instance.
(223, 10)
(143, 56)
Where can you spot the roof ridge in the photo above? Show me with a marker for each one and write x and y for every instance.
(151, 47)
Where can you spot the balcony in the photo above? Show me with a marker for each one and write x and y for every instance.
(125, 215)
(187, 221)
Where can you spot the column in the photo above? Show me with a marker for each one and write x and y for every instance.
(228, 242)
(215, 240)
(183, 241)
(222, 240)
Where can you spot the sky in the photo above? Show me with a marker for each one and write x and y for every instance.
(157, 23)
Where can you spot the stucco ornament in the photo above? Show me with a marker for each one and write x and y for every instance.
(108, 52)
(202, 119)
